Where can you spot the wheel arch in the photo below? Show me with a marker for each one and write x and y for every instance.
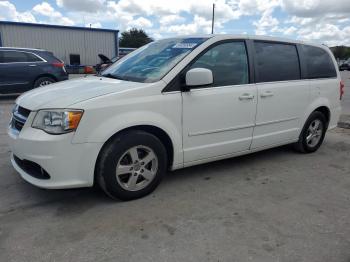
(154, 130)
(44, 75)
(325, 111)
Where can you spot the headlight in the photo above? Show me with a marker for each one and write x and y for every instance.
(57, 121)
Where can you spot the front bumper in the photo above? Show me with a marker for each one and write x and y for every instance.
(68, 165)
(62, 77)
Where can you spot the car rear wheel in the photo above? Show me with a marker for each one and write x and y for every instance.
(313, 133)
(131, 165)
(43, 81)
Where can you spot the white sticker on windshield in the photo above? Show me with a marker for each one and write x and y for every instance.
(185, 45)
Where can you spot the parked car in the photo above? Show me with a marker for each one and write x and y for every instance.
(175, 103)
(345, 65)
(105, 62)
(22, 69)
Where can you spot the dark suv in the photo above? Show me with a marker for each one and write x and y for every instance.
(345, 65)
(22, 69)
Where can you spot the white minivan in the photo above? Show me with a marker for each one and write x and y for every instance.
(171, 104)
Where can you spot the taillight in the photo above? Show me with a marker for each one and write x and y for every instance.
(58, 64)
(341, 89)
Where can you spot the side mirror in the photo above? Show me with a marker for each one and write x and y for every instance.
(199, 77)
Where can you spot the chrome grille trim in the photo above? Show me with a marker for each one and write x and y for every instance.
(19, 118)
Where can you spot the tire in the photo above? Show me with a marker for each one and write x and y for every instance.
(43, 81)
(311, 137)
(124, 162)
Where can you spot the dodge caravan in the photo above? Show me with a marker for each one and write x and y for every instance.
(171, 104)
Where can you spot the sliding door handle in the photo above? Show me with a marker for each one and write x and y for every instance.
(246, 97)
(266, 94)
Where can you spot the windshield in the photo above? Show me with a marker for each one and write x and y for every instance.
(153, 61)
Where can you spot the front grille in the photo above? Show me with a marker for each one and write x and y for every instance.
(19, 117)
(31, 168)
(23, 111)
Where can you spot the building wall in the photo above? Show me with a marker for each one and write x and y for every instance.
(61, 41)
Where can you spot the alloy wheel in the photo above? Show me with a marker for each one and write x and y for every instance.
(137, 168)
(314, 133)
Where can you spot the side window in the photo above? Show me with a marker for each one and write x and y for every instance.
(228, 62)
(32, 58)
(14, 56)
(318, 63)
(276, 62)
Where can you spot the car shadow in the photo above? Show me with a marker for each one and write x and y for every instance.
(233, 164)
(68, 200)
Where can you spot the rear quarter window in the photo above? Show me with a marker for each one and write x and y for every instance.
(318, 62)
(32, 58)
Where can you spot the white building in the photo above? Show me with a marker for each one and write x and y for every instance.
(73, 45)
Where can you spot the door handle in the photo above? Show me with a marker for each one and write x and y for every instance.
(266, 94)
(246, 97)
(32, 65)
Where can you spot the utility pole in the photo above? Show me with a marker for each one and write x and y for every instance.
(212, 21)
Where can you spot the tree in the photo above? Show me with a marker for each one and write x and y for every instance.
(341, 52)
(134, 38)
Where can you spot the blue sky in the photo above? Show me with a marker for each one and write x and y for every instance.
(313, 20)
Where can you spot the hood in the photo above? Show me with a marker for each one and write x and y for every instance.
(104, 58)
(67, 93)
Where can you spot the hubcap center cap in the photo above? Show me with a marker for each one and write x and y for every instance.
(137, 166)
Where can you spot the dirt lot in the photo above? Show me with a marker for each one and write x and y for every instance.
(275, 205)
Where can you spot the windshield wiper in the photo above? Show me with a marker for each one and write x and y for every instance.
(113, 76)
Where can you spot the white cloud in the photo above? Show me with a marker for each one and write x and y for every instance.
(252, 7)
(82, 6)
(94, 25)
(171, 19)
(140, 22)
(46, 10)
(265, 23)
(290, 30)
(317, 20)
(198, 26)
(9, 12)
(326, 33)
(313, 8)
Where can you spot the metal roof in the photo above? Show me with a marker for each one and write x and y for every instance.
(58, 26)
(21, 48)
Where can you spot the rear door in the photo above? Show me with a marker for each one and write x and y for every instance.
(218, 120)
(282, 95)
(18, 69)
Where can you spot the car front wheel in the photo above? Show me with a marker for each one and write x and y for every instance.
(131, 165)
